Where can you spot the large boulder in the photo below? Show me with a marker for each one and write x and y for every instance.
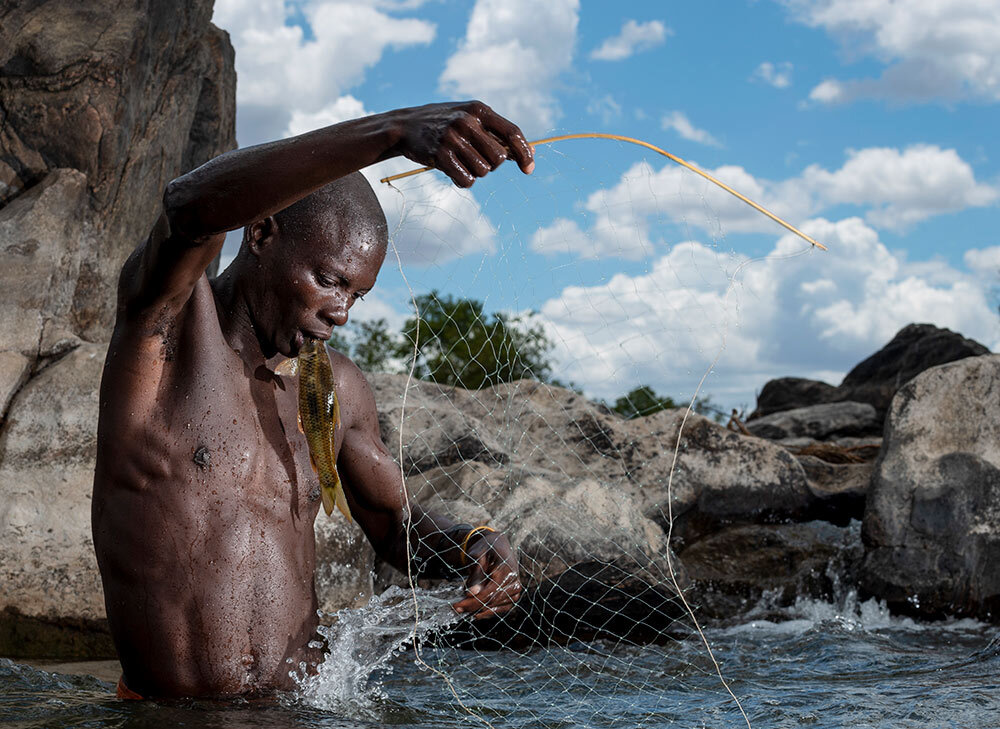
(102, 106)
(914, 348)
(932, 525)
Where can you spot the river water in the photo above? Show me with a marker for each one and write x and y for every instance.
(815, 664)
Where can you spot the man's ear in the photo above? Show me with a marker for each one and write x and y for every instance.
(261, 234)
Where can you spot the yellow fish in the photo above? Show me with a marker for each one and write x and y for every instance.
(319, 418)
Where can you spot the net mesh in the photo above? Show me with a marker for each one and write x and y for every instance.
(564, 351)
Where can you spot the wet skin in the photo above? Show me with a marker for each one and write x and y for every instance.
(204, 498)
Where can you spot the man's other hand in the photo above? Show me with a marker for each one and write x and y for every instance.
(464, 140)
(492, 586)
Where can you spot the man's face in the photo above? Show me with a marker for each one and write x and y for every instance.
(311, 282)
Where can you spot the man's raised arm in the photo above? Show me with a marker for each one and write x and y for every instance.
(464, 140)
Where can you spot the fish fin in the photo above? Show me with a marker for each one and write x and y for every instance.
(288, 367)
(328, 499)
(313, 464)
(341, 500)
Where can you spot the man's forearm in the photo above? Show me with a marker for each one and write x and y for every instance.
(246, 185)
(436, 544)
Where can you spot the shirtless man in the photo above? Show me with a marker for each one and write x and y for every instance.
(204, 498)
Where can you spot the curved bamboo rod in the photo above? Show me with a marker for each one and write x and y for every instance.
(654, 148)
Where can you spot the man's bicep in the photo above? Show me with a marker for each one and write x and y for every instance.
(163, 270)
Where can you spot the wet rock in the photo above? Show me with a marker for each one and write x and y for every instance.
(819, 422)
(933, 517)
(734, 569)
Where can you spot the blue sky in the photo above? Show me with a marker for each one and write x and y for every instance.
(869, 123)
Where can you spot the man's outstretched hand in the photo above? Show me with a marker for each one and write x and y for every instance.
(464, 140)
(492, 586)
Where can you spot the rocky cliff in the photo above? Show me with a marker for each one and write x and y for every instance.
(101, 104)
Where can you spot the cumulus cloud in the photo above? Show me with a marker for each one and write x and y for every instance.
(283, 70)
(813, 315)
(896, 188)
(934, 49)
(778, 75)
(512, 56)
(902, 188)
(633, 38)
(678, 122)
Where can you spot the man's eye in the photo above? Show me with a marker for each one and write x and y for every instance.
(359, 297)
(324, 280)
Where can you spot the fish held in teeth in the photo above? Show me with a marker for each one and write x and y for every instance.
(319, 418)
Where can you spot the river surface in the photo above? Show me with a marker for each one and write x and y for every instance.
(816, 665)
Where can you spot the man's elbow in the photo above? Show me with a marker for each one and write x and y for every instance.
(180, 206)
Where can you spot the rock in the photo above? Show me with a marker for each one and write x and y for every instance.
(526, 427)
(914, 348)
(819, 422)
(47, 566)
(345, 561)
(841, 489)
(734, 569)
(932, 524)
(102, 106)
(788, 393)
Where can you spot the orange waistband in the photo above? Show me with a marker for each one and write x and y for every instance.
(124, 692)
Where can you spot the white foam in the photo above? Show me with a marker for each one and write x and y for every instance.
(363, 641)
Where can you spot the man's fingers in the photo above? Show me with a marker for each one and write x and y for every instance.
(496, 591)
(448, 163)
(510, 135)
(470, 158)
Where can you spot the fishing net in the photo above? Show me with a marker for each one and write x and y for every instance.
(554, 350)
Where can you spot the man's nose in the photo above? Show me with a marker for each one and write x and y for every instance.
(335, 310)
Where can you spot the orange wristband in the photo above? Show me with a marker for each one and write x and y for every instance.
(472, 533)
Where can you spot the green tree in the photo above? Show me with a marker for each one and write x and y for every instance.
(374, 346)
(458, 344)
(640, 402)
(643, 401)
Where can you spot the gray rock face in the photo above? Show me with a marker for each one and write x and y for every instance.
(914, 348)
(819, 422)
(101, 106)
(933, 518)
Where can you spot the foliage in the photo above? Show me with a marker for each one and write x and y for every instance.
(643, 401)
(458, 344)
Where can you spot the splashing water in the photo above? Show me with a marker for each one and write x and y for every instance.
(362, 642)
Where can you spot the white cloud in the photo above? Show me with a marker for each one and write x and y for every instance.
(810, 315)
(633, 38)
(902, 188)
(896, 189)
(778, 75)
(341, 109)
(984, 263)
(512, 56)
(934, 49)
(679, 122)
(282, 72)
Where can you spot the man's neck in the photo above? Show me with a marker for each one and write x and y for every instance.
(232, 303)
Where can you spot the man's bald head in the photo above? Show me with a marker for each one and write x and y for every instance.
(346, 204)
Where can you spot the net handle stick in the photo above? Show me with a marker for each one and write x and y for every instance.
(658, 150)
